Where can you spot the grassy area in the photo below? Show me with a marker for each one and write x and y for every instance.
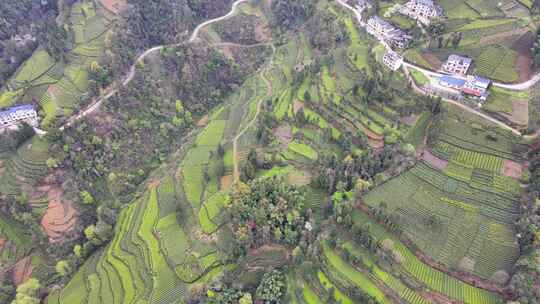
(358, 50)
(484, 23)
(419, 77)
(7, 98)
(417, 133)
(338, 295)
(303, 150)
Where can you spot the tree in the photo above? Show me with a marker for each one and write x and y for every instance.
(63, 268)
(27, 292)
(272, 286)
(87, 198)
(77, 250)
(246, 299)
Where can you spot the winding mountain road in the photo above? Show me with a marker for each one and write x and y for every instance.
(133, 69)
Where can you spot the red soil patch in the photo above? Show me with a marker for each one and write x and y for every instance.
(60, 217)
(2, 242)
(226, 182)
(113, 5)
(203, 121)
(22, 271)
(297, 106)
(524, 60)
(512, 169)
(433, 160)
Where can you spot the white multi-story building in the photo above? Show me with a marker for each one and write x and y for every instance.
(422, 10)
(385, 31)
(362, 5)
(457, 65)
(14, 116)
(392, 60)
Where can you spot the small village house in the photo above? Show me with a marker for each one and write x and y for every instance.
(422, 10)
(457, 65)
(477, 87)
(451, 82)
(392, 60)
(385, 31)
(12, 117)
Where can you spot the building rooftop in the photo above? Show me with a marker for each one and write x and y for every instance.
(452, 80)
(14, 109)
(481, 82)
(461, 59)
(424, 2)
(381, 22)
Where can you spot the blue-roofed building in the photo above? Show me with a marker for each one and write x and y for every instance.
(451, 82)
(13, 116)
(477, 86)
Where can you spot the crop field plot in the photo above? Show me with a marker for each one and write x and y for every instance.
(209, 212)
(359, 279)
(432, 278)
(499, 63)
(303, 150)
(17, 242)
(33, 68)
(358, 50)
(147, 258)
(453, 204)
(478, 138)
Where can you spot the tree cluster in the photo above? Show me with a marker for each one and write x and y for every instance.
(525, 282)
(269, 210)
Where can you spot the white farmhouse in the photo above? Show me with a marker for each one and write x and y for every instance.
(422, 10)
(392, 60)
(457, 65)
(385, 31)
(14, 116)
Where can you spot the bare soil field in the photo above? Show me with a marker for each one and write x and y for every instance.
(435, 62)
(433, 160)
(22, 271)
(284, 135)
(113, 5)
(520, 112)
(512, 169)
(60, 217)
(226, 182)
(524, 60)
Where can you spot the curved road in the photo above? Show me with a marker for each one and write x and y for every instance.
(132, 70)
